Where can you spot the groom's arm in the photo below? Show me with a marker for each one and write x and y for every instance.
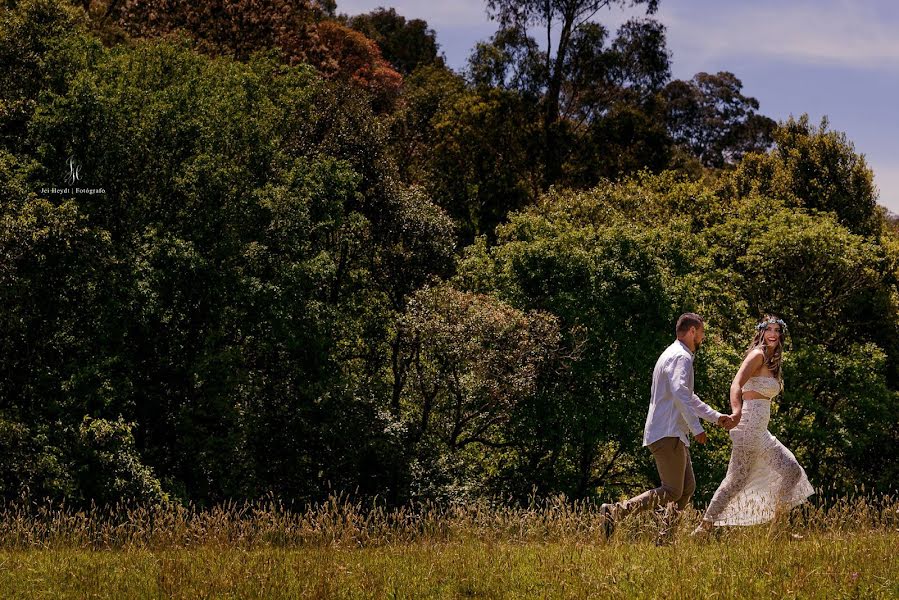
(677, 376)
(686, 401)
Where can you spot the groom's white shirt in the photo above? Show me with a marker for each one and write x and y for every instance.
(674, 410)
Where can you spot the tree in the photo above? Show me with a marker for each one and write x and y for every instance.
(343, 53)
(812, 270)
(231, 293)
(570, 16)
(838, 416)
(425, 96)
(475, 151)
(510, 60)
(712, 119)
(623, 141)
(609, 117)
(110, 466)
(262, 300)
(473, 360)
(406, 44)
(483, 159)
(232, 27)
(40, 43)
(298, 29)
(813, 168)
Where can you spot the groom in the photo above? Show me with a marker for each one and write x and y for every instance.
(674, 412)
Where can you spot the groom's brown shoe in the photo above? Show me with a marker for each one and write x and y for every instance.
(609, 518)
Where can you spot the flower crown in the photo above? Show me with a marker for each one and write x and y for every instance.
(772, 321)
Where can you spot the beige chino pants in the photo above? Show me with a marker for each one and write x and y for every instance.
(678, 482)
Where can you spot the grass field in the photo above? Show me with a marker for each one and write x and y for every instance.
(339, 550)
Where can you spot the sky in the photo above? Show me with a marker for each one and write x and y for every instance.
(833, 58)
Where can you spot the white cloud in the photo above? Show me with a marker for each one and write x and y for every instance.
(445, 13)
(835, 32)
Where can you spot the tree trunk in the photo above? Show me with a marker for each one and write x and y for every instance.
(551, 125)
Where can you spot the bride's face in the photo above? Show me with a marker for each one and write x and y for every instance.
(772, 335)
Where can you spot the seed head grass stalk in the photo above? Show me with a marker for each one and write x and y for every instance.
(830, 547)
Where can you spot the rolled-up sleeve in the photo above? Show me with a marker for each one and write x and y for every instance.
(688, 403)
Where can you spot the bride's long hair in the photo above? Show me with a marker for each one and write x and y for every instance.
(773, 359)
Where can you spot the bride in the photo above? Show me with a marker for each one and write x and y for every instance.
(764, 480)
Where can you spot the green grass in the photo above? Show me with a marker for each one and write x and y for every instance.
(845, 550)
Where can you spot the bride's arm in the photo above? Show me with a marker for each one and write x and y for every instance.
(750, 365)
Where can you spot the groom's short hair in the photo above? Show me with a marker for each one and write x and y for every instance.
(686, 321)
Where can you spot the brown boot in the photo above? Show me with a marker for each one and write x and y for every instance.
(609, 514)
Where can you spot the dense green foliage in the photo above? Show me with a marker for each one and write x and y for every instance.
(279, 283)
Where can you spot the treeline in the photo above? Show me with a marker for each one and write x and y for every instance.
(325, 261)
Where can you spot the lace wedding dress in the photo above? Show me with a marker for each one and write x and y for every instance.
(763, 475)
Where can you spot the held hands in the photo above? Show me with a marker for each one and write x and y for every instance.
(729, 421)
(726, 421)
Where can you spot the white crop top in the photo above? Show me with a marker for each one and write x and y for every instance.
(767, 386)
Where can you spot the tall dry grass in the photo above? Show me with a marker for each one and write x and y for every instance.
(342, 522)
(341, 548)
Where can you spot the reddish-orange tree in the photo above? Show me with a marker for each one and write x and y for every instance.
(348, 54)
(298, 28)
